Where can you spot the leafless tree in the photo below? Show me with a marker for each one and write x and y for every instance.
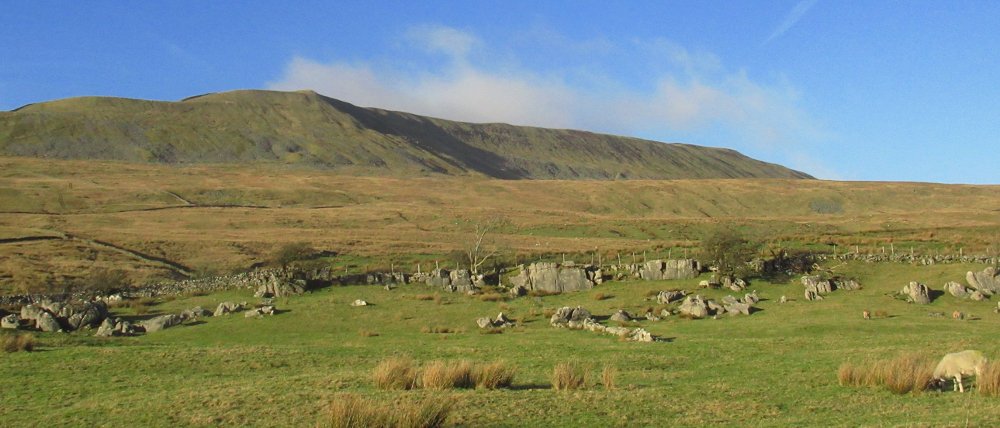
(483, 245)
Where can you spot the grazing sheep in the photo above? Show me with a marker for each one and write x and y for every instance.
(957, 364)
(867, 315)
(957, 315)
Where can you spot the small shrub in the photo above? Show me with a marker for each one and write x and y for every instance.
(21, 342)
(493, 375)
(395, 373)
(440, 375)
(602, 296)
(988, 382)
(491, 297)
(568, 376)
(609, 376)
(352, 411)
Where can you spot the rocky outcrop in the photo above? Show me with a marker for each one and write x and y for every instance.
(957, 290)
(985, 281)
(11, 321)
(281, 287)
(695, 306)
(47, 322)
(668, 296)
(225, 308)
(556, 277)
(917, 293)
(161, 322)
(620, 316)
(656, 270)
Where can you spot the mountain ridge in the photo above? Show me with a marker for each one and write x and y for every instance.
(309, 129)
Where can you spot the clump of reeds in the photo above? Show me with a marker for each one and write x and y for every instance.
(568, 376)
(18, 343)
(493, 375)
(395, 373)
(901, 375)
(353, 411)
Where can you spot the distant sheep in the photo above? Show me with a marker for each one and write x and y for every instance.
(954, 366)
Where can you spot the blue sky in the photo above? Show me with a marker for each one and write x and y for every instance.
(846, 90)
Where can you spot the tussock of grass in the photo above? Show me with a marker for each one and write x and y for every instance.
(395, 373)
(491, 330)
(491, 297)
(602, 296)
(353, 411)
(568, 376)
(906, 373)
(880, 314)
(988, 382)
(609, 377)
(440, 375)
(505, 307)
(424, 297)
(493, 375)
(548, 312)
(18, 343)
(542, 293)
(367, 333)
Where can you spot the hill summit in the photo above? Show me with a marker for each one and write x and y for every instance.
(305, 128)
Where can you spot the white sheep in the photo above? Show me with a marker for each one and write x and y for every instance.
(958, 364)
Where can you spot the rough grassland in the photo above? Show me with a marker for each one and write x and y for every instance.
(775, 368)
(226, 217)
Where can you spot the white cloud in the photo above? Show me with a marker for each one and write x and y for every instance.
(695, 93)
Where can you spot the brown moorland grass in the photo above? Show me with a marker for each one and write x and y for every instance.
(18, 343)
(569, 376)
(988, 382)
(395, 373)
(494, 375)
(440, 375)
(353, 411)
(609, 376)
(910, 372)
(229, 224)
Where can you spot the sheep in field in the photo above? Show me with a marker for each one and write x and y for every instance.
(954, 366)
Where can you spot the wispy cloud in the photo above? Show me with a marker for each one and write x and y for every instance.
(791, 19)
(696, 93)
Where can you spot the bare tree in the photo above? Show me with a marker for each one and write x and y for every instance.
(482, 245)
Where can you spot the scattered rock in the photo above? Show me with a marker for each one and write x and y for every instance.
(737, 309)
(621, 316)
(783, 299)
(47, 322)
(751, 298)
(652, 317)
(956, 289)
(812, 295)
(267, 310)
(694, 306)
(918, 293)
(359, 302)
(555, 277)
(668, 296)
(977, 296)
(161, 322)
(280, 287)
(225, 308)
(31, 312)
(12, 321)
(656, 270)
(194, 313)
(252, 313)
(484, 322)
(986, 280)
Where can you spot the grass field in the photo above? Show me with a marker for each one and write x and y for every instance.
(776, 367)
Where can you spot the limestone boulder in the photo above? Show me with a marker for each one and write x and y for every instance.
(957, 290)
(694, 306)
(656, 270)
(817, 284)
(359, 302)
(977, 296)
(621, 316)
(751, 298)
(846, 284)
(811, 294)
(484, 322)
(161, 322)
(31, 312)
(917, 293)
(668, 296)
(12, 322)
(986, 280)
(225, 308)
(439, 278)
(555, 277)
(194, 313)
(738, 308)
(47, 322)
(280, 287)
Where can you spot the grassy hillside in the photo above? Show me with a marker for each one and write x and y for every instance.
(225, 217)
(304, 128)
(775, 368)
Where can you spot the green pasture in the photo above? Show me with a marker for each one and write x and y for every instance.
(775, 368)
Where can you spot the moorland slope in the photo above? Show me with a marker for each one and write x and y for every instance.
(305, 128)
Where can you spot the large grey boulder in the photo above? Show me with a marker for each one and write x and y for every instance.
(986, 281)
(279, 287)
(461, 280)
(817, 284)
(751, 298)
(47, 322)
(655, 270)
(11, 321)
(738, 308)
(977, 296)
(225, 308)
(106, 329)
(567, 315)
(621, 316)
(918, 293)
(667, 296)
(694, 306)
(161, 322)
(728, 300)
(439, 278)
(956, 289)
(845, 284)
(87, 315)
(811, 294)
(555, 277)
(31, 312)
(484, 322)
(193, 313)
